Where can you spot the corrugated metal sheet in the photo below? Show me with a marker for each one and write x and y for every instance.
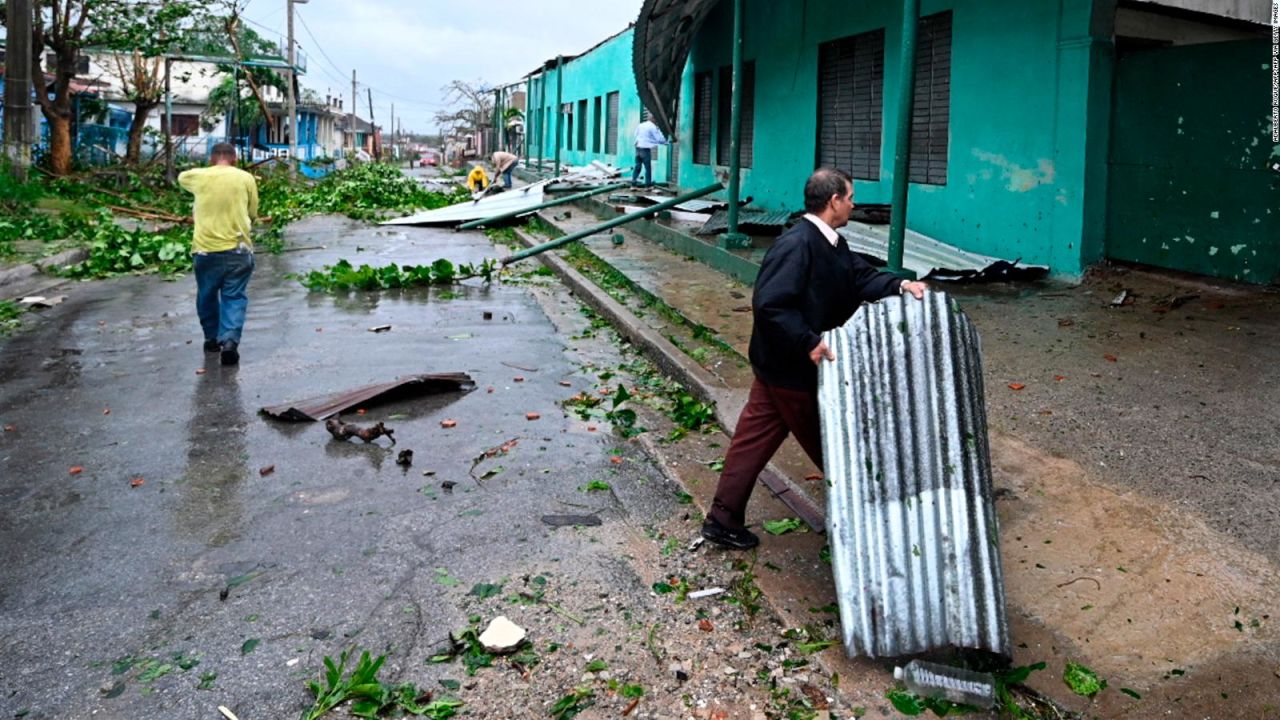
(762, 220)
(487, 206)
(925, 256)
(319, 408)
(910, 512)
(664, 33)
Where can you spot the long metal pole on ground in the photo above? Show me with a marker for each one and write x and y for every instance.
(550, 203)
(559, 108)
(732, 238)
(902, 143)
(18, 136)
(622, 220)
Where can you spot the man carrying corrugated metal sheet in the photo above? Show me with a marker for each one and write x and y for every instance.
(809, 282)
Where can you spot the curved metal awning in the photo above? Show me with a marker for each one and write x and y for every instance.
(663, 37)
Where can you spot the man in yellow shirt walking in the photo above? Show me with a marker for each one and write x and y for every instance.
(226, 202)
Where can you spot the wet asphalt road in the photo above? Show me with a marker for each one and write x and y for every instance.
(103, 584)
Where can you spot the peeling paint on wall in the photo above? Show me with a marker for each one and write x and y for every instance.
(1021, 179)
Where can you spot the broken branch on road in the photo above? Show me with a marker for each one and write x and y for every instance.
(343, 431)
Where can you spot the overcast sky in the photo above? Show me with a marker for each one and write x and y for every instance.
(407, 50)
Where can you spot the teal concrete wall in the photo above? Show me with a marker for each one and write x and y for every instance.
(1190, 187)
(604, 69)
(1029, 105)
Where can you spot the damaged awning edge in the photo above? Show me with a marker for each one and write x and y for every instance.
(664, 34)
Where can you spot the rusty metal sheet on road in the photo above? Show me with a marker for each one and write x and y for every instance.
(318, 408)
(910, 508)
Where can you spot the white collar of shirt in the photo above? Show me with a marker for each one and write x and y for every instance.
(827, 232)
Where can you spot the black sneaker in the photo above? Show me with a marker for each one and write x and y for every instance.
(732, 538)
(212, 346)
(230, 353)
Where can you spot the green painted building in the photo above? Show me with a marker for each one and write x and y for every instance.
(1058, 133)
(599, 109)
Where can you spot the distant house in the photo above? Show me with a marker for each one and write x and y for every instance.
(194, 128)
(367, 136)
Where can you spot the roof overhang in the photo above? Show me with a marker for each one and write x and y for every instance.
(663, 38)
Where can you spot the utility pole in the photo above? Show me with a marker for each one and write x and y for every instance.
(351, 116)
(373, 130)
(293, 96)
(394, 155)
(17, 89)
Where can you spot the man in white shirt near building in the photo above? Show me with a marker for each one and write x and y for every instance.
(648, 137)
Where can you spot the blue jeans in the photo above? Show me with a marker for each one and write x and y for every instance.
(644, 159)
(506, 177)
(221, 279)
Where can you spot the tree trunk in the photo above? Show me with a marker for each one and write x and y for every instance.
(141, 112)
(59, 143)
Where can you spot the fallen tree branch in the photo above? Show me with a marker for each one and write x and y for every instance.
(342, 431)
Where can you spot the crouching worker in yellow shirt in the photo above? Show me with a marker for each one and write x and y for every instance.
(226, 201)
(477, 180)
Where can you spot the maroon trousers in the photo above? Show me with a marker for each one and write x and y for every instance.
(770, 414)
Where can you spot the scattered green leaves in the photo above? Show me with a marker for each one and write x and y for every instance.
(485, 590)
(570, 705)
(367, 696)
(784, 526)
(1082, 680)
(908, 703)
(343, 276)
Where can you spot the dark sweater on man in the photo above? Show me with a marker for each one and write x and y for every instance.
(805, 287)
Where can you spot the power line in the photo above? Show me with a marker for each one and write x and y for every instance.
(319, 47)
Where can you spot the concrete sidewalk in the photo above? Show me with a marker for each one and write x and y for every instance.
(1137, 468)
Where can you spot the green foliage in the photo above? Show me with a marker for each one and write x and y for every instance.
(343, 276)
(1082, 680)
(10, 316)
(573, 703)
(784, 526)
(116, 251)
(466, 645)
(367, 191)
(691, 415)
(367, 696)
(908, 703)
(16, 196)
(1005, 682)
(743, 591)
(809, 639)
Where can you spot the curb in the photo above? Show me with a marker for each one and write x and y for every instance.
(18, 273)
(675, 363)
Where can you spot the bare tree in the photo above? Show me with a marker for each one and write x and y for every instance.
(470, 106)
